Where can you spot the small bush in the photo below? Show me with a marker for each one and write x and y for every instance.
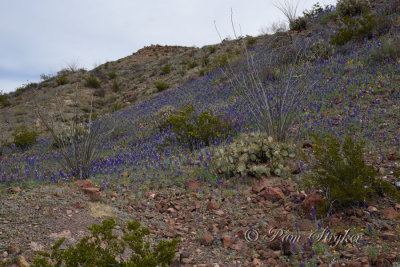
(341, 172)
(299, 24)
(212, 49)
(359, 28)
(4, 102)
(116, 87)
(251, 41)
(166, 69)
(92, 82)
(112, 75)
(351, 7)
(62, 79)
(103, 248)
(192, 64)
(24, 138)
(197, 130)
(161, 86)
(389, 50)
(221, 61)
(314, 12)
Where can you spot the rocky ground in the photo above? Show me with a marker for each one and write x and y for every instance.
(217, 227)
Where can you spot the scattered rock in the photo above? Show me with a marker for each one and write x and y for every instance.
(273, 194)
(84, 183)
(21, 261)
(389, 213)
(212, 205)
(207, 239)
(226, 240)
(78, 205)
(219, 212)
(65, 233)
(311, 202)
(152, 195)
(16, 189)
(256, 262)
(389, 236)
(372, 209)
(13, 250)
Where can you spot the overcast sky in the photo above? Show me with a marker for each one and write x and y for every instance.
(44, 36)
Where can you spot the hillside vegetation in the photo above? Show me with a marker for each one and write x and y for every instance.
(295, 130)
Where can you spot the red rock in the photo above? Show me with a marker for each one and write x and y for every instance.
(355, 264)
(312, 201)
(258, 187)
(389, 236)
(212, 205)
(305, 225)
(392, 156)
(84, 183)
(16, 189)
(193, 185)
(256, 262)
(94, 196)
(88, 190)
(207, 239)
(273, 194)
(226, 241)
(389, 213)
(13, 250)
(152, 195)
(78, 205)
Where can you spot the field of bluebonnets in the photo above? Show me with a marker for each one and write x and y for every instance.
(351, 94)
(351, 90)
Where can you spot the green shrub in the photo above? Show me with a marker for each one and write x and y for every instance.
(112, 74)
(251, 40)
(255, 154)
(116, 87)
(166, 69)
(351, 7)
(62, 79)
(314, 12)
(212, 49)
(192, 64)
(354, 28)
(102, 248)
(4, 102)
(341, 172)
(92, 82)
(194, 130)
(221, 61)
(390, 49)
(161, 86)
(298, 24)
(24, 138)
(116, 106)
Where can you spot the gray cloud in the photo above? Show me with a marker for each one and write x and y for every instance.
(43, 36)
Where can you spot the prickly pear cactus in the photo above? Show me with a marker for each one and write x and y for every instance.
(255, 154)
